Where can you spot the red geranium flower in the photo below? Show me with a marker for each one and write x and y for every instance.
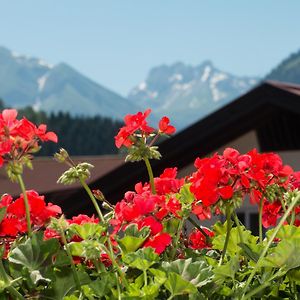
(271, 213)
(133, 123)
(164, 126)
(197, 240)
(159, 242)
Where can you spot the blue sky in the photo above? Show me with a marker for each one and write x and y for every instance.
(116, 42)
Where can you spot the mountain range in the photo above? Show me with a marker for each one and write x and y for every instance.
(188, 93)
(32, 82)
(185, 93)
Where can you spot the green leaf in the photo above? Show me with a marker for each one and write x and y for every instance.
(249, 252)
(150, 291)
(3, 285)
(61, 259)
(102, 286)
(133, 238)
(185, 195)
(176, 285)
(286, 232)
(159, 276)
(132, 230)
(87, 230)
(219, 228)
(294, 274)
(171, 226)
(76, 248)
(226, 270)
(199, 273)
(130, 243)
(35, 253)
(284, 255)
(142, 259)
(72, 297)
(63, 284)
(234, 240)
(2, 213)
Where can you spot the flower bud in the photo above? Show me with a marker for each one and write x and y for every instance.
(61, 156)
(98, 195)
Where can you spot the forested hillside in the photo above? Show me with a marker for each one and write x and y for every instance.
(288, 70)
(78, 135)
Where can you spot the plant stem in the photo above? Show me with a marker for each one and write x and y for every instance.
(199, 228)
(145, 277)
(294, 288)
(229, 226)
(283, 205)
(14, 293)
(277, 228)
(261, 205)
(109, 251)
(118, 287)
(263, 285)
(94, 201)
(237, 222)
(75, 275)
(154, 140)
(293, 217)
(26, 203)
(150, 173)
(175, 244)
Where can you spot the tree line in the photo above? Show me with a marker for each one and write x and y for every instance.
(77, 134)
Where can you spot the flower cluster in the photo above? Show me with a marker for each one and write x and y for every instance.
(148, 210)
(14, 223)
(136, 126)
(150, 244)
(20, 137)
(231, 176)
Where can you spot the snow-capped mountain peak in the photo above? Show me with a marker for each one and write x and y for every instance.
(188, 93)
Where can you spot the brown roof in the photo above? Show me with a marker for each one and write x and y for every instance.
(46, 171)
(290, 87)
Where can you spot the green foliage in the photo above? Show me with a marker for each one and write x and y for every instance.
(234, 239)
(199, 273)
(109, 260)
(87, 230)
(176, 285)
(35, 253)
(133, 238)
(33, 258)
(285, 254)
(63, 284)
(142, 259)
(102, 286)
